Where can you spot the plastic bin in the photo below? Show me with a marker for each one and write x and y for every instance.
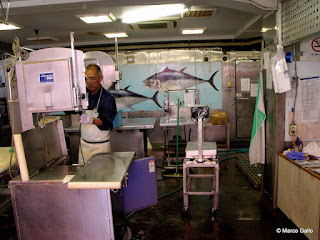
(219, 118)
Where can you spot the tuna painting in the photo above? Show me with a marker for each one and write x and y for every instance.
(170, 79)
(126, 98)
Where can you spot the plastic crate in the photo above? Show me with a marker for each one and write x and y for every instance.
(117, 121)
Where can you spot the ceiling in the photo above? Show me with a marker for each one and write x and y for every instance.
(232, 20)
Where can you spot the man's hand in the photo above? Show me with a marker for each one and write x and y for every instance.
(86, 119)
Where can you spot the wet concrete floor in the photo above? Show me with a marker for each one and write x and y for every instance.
(243, 213)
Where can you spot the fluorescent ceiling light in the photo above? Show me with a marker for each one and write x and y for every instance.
(192, 31)
(97, 18)
(267, 29)
(154, 12)
(115, 35)
(8, 26)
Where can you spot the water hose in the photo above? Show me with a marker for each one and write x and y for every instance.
(232, 151)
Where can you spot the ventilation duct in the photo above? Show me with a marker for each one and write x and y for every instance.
(152, 25)
(200, 12)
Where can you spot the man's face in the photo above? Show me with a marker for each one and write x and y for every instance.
(93, 80)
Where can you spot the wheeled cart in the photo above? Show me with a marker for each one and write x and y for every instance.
(187, 177)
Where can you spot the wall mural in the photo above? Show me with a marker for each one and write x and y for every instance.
(144, 86)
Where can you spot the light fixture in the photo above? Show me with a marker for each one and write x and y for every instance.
(267, 29)
(8, 26)
(97, 18)
(42, 39)
(115, 35)
(154, 12)
(192, 31)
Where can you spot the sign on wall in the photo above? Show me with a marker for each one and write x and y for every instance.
(145, 86)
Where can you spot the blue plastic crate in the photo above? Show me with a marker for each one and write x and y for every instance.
(117, 121)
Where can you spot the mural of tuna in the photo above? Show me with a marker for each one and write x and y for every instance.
(170, 79)
(125, 98)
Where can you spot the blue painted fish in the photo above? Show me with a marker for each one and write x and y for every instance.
(170, 79)
(125, 98)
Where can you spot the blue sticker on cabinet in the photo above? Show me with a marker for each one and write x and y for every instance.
(46, 77)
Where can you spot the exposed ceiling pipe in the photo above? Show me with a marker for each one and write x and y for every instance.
(171, 45)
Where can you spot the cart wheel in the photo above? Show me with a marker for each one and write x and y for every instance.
(184, 212)
(213, 213)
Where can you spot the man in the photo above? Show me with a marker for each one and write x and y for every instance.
(96, 122)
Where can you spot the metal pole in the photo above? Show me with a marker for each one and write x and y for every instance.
(200, 140)
(8, 7)
(117, 64)
(280, 23)
(75, 78)
(177, 140)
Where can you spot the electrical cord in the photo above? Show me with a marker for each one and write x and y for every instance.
(19, 54)
(296, 90)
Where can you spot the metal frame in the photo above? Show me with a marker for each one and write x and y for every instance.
(187, 164)
(167, 124)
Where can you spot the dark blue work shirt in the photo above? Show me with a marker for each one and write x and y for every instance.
(107, 108)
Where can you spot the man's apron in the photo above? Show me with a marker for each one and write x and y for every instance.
(93, 140)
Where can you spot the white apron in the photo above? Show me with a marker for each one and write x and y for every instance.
(93, 140)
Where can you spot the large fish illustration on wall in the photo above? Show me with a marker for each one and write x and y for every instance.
(170, 79)
(125, 98)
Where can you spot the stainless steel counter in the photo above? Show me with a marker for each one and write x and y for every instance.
(128, 124)
(137, 123)
(172, 122)
(103, 171)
